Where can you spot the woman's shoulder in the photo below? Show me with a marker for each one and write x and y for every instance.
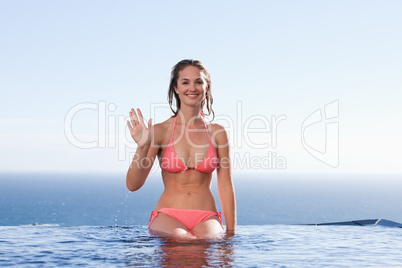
(216, 127)
(162, 128)
(164, 125)
(218, 131)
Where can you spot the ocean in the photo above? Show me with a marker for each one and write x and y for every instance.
(93, 220)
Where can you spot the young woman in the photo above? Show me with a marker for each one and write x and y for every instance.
(189, 150)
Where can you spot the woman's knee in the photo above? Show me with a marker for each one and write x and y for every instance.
(209, 228)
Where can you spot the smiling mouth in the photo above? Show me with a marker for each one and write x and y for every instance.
(192, 95)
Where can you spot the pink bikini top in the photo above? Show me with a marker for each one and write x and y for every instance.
(172, 163)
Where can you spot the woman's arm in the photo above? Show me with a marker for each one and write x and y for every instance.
(140, 167)
(225, 184)
(147, 149)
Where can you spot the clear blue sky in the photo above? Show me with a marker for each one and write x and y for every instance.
(272, 58)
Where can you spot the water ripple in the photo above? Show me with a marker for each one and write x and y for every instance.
(252, 246)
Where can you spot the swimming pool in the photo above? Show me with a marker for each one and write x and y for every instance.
(252, 246)
(77, 217)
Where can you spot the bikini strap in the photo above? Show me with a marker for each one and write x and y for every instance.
(206, 128)
(174, 125)
(219, 214)
(154, 214)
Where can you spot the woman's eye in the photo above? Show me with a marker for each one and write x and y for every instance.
(200, 82)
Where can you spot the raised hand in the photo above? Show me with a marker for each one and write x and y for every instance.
(140, 133)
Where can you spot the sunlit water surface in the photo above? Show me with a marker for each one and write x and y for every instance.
(73, 213)
(252, 246)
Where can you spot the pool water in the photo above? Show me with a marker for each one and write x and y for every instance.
(92, 220)
(252, 246)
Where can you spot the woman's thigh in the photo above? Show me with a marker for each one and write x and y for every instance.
(208, 228)
(167, 225)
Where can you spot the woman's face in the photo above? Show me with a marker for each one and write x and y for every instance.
(191, 86)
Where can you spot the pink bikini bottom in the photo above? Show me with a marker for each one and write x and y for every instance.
(189, 217)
